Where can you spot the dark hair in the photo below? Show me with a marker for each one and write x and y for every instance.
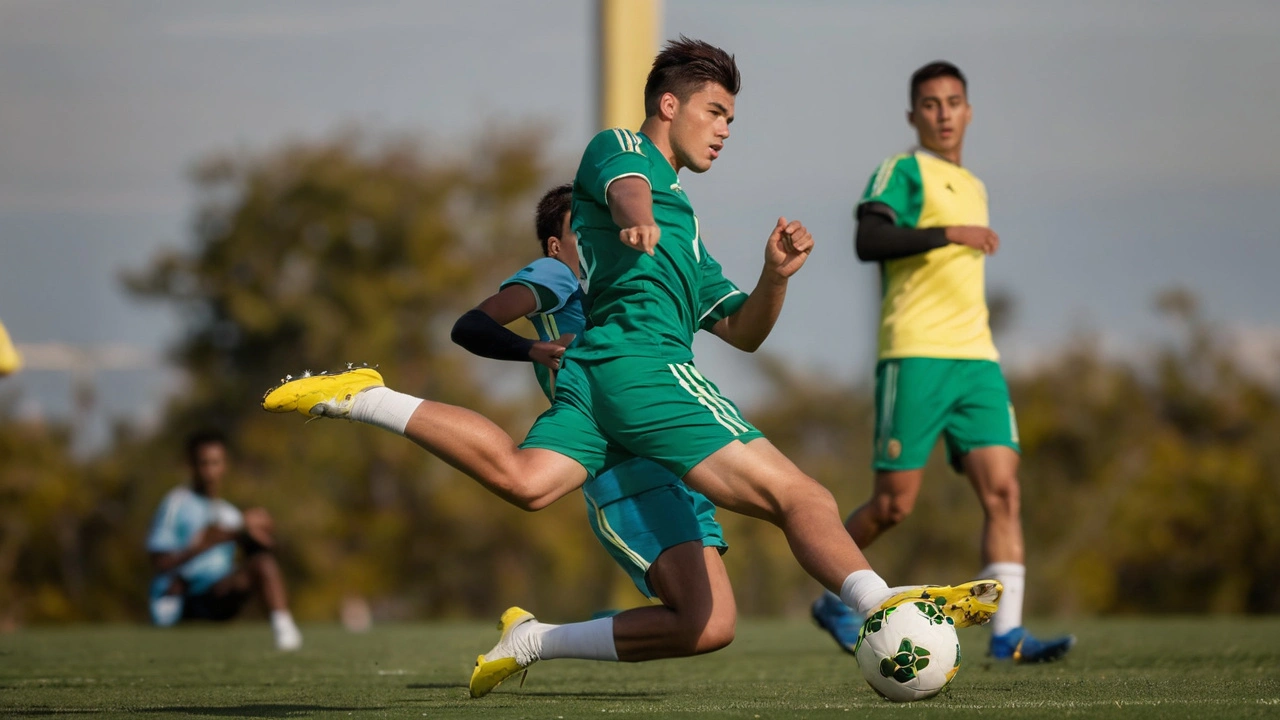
(548, 219)
(200, 438)
(935, 69)
(683, 67)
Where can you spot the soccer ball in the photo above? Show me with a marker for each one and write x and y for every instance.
(909, 651)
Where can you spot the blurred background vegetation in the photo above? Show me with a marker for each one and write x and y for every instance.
(1149, 486)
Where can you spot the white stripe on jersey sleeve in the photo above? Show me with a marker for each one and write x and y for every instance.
(631, 174)
(883, 175)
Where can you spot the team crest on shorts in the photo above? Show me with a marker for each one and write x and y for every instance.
(894, 449)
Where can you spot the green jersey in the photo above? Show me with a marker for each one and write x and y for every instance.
(641, 305)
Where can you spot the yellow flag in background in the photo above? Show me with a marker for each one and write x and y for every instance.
(10, 360)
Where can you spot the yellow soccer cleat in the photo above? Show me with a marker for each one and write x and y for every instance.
(972, 603)
(501, 662)
(321, 395)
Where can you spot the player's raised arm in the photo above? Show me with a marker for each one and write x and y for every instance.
(785, 253)
(631, 205)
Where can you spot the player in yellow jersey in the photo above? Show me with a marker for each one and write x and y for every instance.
(923, 218)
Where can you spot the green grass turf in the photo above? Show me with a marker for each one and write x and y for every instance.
(1149, 668)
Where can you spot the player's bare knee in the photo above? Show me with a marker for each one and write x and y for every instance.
(810, 495)
(717, 634)
(694, 636)
(1002, 497)
(892, 509)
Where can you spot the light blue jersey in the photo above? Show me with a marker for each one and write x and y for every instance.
(560, 309)
(181, 517)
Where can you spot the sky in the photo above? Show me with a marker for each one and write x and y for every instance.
(1127, 147)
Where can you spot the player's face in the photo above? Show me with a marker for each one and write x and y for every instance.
(699, 127)
(564, 247)
(209, 466)
(941, 115)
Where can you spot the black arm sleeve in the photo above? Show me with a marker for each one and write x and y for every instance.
(481, 335)
(878, 238)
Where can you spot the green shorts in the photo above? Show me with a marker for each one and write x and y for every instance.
(638, 509)
(967, 401)
(609, 411)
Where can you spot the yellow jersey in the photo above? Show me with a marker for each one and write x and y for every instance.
(933, 304)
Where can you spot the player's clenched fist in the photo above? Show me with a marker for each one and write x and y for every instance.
(788, 247)
(641, 237)
(547, 354)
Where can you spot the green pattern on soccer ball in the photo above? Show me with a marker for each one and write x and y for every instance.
(936, 616)
(872, 625)
(906, 664)
(876, 621)
(957, 656)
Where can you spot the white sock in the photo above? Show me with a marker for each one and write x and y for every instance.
(863, 591)
(385, 408)
(282, 620)
(591, 640)
(287, 634)
(1014, 578)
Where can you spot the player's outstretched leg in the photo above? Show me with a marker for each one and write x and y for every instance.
(891, 501)
(530, 478)
(756, 479)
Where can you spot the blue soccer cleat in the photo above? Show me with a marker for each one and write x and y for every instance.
(838, 619)
(1021, 646)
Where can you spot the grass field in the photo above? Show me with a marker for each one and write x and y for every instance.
(1229, 668)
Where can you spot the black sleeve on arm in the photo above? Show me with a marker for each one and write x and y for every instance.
(481, 335)
(878, 238)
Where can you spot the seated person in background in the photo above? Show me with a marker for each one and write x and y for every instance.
(193, 543)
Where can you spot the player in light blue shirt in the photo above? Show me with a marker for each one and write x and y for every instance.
(193, 542)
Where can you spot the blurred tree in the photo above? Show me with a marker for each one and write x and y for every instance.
(41, 499)
(356, 250)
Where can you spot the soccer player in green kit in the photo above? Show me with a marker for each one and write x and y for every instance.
(923, 217)
(628, 387)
